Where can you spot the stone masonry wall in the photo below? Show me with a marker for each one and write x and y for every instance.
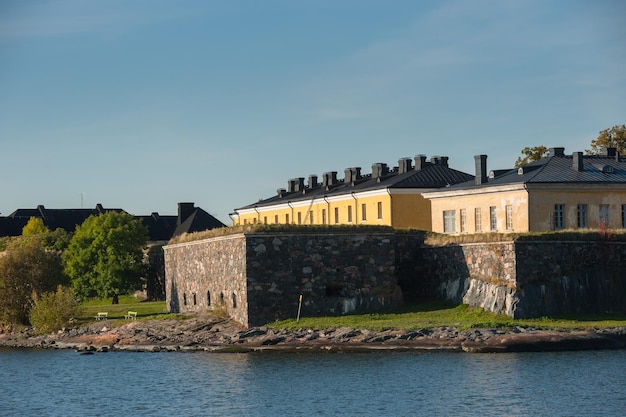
(208, 275)
(266, 274)
(527, 279)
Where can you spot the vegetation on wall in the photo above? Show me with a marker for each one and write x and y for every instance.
(438, 239)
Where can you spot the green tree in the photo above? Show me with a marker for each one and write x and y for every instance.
(54, 310)
(530, 155)
(35, 226)
(614, 137)
(26, 267)
(105, 257)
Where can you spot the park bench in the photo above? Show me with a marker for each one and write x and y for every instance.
(102, 316)
(132, 315)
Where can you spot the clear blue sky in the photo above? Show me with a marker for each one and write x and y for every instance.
(142, 104)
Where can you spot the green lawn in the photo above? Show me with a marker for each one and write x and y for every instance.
(419, 316)
(439, 314)
(144, 309)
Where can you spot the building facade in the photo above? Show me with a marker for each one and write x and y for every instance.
(558, 192)
(386, 197)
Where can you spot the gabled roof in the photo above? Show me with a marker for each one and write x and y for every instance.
(556, 168)
(429, 175)
(160, 228)
(197, 221)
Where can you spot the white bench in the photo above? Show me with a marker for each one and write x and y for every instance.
(132, 315)
(102, 316)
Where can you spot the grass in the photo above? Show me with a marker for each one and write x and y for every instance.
(144, 309)
(440, 314)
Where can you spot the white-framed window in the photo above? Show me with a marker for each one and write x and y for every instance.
(463, 216)
(478, 222)
(509, 217)
(336, 215)
(310, 216)
(323, 216)
(581, 214)
(449, 221)
(380, 210)
(363, 212)
(493, 219)
(299, 217)
(559, 216)
(349, 214)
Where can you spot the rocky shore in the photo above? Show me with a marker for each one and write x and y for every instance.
(222, 335)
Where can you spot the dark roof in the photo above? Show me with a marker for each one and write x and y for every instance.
(432, 175)
(558, 169)
(197, 221)
(160, 228)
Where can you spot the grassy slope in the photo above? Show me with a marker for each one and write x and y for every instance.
(425, 315)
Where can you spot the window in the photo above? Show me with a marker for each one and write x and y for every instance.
(208, 298)
(559, 216)
(234, 301)
(493, 219)
(323, 216)
(276, 218)
(463, 220)
(349, 214)
(380, 210)
(245, 221)
(264, 219)
(195, 300)
(287, 218)
(623, 216)
(509, 217)
(184, 299)
(363, 212)
(311, 216)
(255, 219)
(582, 215)
(299, 218)
(449, 221)
(336, 215)
(478, 223)
(604, 215)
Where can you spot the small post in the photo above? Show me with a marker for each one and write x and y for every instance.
(299, 308)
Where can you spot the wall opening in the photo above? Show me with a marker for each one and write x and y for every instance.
(234, 301)
(208, 298)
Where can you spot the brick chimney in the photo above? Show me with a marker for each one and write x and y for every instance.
(481, 169)
(184, 211)
(420, 162)
(577, 161)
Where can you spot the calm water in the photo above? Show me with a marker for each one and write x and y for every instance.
(65, 383)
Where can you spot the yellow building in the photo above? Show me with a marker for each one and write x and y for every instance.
(558, 192)
(388, 197)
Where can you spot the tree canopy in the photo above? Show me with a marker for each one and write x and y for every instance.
(105, 255)
(25, 268)
(614, 137)
(35, 226)
(530, 155)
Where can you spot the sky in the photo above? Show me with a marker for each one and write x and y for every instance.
(141, 104)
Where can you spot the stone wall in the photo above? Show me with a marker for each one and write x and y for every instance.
(526, 279)
(336, 273)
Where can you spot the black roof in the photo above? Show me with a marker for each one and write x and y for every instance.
(432, 175)
(558, 169)
(160, 228)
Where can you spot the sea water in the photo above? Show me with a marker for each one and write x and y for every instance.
(67, 383)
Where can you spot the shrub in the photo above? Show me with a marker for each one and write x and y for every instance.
(54, 310)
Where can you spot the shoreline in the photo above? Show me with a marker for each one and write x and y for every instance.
(213, 334)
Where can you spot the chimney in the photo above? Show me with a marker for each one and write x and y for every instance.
(280, 192)
(184, 211)
(610, 152)
(444, 161)
(577, 161)
(556, 152)
(329, 179)
(404, 165)
(299, 184)
(312, 181)
(434, 160)
(99, 208)
(379, 170)
(481, 169)
(420, 162)
(291, 185)
(352, 175)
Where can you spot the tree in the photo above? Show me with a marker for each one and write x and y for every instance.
(34, 226)
(26, 267)
(105, 257)
(54, 310)
(531, 154)
(614, 137)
